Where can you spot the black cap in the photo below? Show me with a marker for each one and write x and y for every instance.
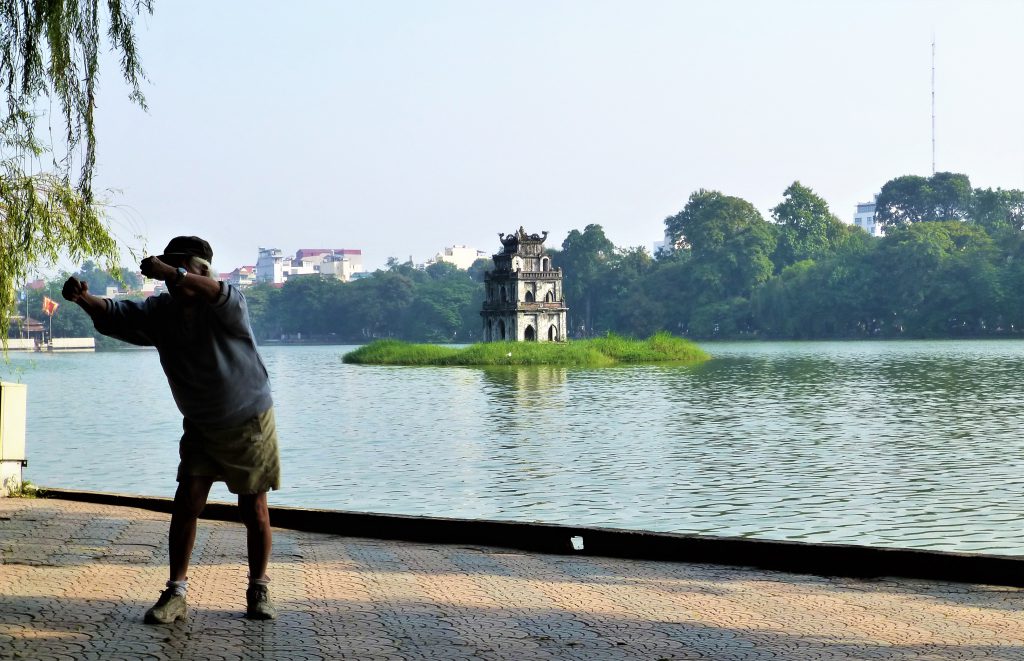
(188, 246)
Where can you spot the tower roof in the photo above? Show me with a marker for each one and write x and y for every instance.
(512, 241)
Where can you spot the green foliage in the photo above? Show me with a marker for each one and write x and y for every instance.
(396, 352)
(25, 490)
(70, 320)
(807, 228)
(439, 304)
(733, 275)
(583, 258)
(49, 52)
(913, 199)
(729, 244)
(998, 211)
(660, 347)
(597, 352)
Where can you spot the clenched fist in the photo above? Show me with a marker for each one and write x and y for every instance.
(152, 267)
(74, 289)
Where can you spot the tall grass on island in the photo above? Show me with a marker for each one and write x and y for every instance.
(597, 352)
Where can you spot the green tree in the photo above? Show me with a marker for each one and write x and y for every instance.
(914, 199)
(306, 306)
(49, 57)
(583, 257)
(951, 196)
(479, 267)
(903, 200)
(99, 279)
(626, 304)
(264, 305)
(938, 275)
(807, 228)
(680, 227)
(730, 244)
(998, 211)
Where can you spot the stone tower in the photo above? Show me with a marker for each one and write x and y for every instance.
(523, 299)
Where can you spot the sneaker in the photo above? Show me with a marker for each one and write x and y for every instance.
(169, 607)
(258, 604)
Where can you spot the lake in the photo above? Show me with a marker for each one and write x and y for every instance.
(899, 444)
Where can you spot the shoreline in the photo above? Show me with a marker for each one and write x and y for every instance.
(846, 560)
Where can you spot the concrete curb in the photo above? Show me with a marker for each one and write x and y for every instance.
(795, 557)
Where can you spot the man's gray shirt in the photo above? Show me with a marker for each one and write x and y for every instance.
(215, 372)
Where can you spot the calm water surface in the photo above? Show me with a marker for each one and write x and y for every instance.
(907, 444)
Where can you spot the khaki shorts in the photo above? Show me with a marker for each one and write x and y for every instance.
(245, 457)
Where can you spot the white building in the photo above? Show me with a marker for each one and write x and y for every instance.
(243, 276)
(342, 267)
(340, 263)
(461, 256)
(865, 219)
(273, 267)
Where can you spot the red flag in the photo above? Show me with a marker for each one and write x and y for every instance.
(49, 306)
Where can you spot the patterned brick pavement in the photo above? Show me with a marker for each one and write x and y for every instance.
(75, 579)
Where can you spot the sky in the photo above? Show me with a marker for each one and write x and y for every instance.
(401, 127)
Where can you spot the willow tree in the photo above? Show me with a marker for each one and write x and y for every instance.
(49, 69)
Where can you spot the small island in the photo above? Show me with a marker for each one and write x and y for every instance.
(524, 319)
(596, 352)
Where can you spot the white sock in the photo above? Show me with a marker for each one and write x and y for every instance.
(179, 587)
(259, 581)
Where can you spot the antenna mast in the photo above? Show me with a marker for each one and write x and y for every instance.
(933, 103)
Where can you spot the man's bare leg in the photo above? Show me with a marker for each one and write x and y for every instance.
(189, 501)
(256, 517)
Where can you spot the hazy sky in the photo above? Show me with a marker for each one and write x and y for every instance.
(402, 127)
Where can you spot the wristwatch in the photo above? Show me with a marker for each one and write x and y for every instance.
(181, 275)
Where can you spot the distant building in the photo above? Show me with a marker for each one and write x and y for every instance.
(152, 287)
(149, 287)
(343, 265)
(243, 276)
(340, 263)
(523, 297)
(461, 256)
(865, 219)
(274, 267)
(667, 245)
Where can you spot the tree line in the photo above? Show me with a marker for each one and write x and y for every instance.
(950, 265)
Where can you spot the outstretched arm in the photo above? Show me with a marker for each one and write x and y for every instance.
(77, 291)
(202, 286)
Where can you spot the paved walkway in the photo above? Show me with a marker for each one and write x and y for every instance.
(75, 579)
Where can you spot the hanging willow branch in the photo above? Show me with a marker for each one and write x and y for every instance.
(49, 57)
